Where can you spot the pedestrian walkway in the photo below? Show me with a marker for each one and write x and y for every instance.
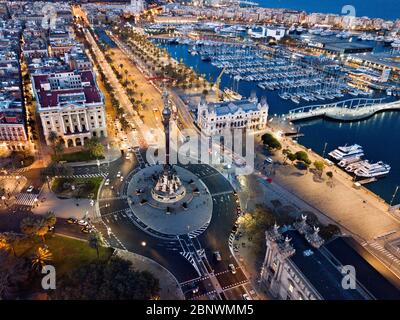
(376, 246)
(26, 199)
(88, 175)
(169, 286)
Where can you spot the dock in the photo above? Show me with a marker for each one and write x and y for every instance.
(365, 181)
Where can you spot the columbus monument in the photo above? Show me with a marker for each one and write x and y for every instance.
(168, 188)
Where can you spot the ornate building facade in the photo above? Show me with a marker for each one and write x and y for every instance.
(214, 118)
(299, 266)
(70, 104)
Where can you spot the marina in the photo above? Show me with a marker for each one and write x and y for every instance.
(314, 132)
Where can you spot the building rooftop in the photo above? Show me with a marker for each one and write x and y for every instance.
(88, 93)
(324, 276)
(231, 107)
(322, 268)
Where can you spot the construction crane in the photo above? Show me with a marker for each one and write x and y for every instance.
(217, 83)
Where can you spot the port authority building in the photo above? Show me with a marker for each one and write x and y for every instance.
(214, 118)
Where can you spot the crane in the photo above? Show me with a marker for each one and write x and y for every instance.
(217, 83)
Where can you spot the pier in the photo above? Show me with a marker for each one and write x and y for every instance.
(347, 110)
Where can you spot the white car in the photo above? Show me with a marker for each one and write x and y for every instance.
(118, 174)
(107, 182)
(128, 156)
(122, 178)
(82, 223)
(30, 189)
(246, 296)
(232, 268)
(269, 160)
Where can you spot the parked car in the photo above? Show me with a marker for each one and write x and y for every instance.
(107, 182)
(30, 189)
(232, 268)
(217, 256)
(246, 296)
(268, 160)
(82, 223)
(118, 174)
(72, 220)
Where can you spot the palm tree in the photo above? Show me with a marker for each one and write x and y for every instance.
(42, 228)
(13, 273)
(8, 240)
(29, 226)
(52, 137)
(59, 148)
(41, 257)
(95, 241)
(51, 219)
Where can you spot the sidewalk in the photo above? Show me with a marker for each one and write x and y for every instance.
(248, 262)
(109, 156)
(63, 208)
(169, 286)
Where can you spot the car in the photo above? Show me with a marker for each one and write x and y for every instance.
(118, 174)
(232, 268)
(107, 182)
(195, 289)
(30, 189)
(128, 156)
(82, 223)
(129, 149)
(217, 256)
(86, 230)
(72, 220)
(122, 178)
(268, 160)
(245, 296)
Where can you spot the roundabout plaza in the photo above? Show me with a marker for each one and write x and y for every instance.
(168, 200)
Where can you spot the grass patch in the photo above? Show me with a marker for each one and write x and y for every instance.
(68, 253)
(78, 156)
(84, 187)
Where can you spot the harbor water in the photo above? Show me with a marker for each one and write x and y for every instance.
(379, 135)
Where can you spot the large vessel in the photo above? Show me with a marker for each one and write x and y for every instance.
(349, 160)
(232, 95)
(372, 170)
(346, 151)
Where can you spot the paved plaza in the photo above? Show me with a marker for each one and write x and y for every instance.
(190, 214)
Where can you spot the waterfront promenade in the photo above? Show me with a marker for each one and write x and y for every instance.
(348, 110)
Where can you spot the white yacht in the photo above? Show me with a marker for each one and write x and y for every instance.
(346, 151)
(355, 165)
(349, 160)
(371, 170)
(232, 95)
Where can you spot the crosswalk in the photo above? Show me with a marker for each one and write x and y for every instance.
(139, 158)
(230, 241)
(87, 175)
(196, 233)
(188, 256)
(26, 199)
(385, 252)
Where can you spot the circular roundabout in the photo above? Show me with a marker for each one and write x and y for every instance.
(168, 202)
